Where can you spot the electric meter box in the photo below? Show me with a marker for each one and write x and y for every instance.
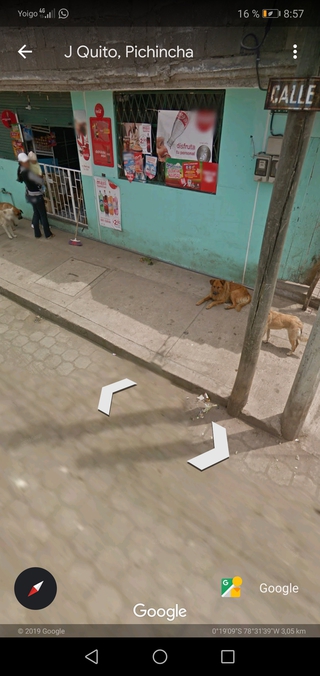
(274, 145)
(262, 168)
(273, 168)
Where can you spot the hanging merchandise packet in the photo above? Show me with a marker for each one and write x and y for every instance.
(138, 168)
(150, 168)
(129, 165)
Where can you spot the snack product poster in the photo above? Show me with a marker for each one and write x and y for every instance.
(185, 135)
(101, 140)
(108, 203)
(199, 176)
(16, 140)
(137, 137)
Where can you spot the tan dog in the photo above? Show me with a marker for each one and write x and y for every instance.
(294, 326)
(227, 292)
(9, 216)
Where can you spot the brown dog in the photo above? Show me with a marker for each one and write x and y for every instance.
(9, 215)
(294, 326)
(227, 292)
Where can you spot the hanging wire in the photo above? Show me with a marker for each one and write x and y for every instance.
(271, 125)
(255, 49)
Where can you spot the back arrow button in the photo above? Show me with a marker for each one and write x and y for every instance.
(92, 657)
(23, 51)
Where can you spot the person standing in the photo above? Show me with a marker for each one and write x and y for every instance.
(36, 169)
(34, 185)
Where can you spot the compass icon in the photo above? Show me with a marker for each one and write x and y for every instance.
(35, 588)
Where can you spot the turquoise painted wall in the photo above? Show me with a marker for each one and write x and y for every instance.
(220, 234)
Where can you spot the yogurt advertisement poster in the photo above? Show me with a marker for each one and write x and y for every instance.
(185, 135)
(108, 203)
(200, 176)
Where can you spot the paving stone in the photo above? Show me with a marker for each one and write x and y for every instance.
(53, 361)
(6, 319)
(57, 348)
(48, 341)
(36, 336)
(11, 335)
(65, 369)
(30, 348)
(82, 362)
(70, 355)
(20, 341)
(41, 354)
(16, 325)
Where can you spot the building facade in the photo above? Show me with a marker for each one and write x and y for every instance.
(218, 233)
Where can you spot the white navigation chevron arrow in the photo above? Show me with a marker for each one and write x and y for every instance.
(23, 51)
(217, 454)
(107, 392)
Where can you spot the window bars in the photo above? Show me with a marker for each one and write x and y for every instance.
(142, 108)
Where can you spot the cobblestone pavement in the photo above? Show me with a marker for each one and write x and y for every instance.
(111, 507)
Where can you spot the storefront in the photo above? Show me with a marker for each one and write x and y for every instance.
(43, 123)
(171, 175)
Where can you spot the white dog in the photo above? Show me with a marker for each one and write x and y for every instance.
(9, 216)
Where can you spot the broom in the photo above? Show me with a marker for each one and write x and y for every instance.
(75, 241)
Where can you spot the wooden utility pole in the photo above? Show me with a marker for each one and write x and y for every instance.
(304, 387)
(295, 142)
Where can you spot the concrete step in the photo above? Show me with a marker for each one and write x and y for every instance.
(295, 292)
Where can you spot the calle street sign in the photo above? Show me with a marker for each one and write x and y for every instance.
(293, 94)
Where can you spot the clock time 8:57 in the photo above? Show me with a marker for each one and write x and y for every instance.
(293, 13)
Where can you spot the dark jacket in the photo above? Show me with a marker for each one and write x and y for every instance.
(33, 183)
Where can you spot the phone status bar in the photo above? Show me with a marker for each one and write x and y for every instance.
(164, 14)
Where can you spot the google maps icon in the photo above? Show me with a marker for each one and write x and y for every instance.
(230, 587)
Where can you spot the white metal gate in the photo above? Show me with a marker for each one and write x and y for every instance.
(64, 193)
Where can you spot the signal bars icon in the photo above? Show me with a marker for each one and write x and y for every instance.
(49, 15)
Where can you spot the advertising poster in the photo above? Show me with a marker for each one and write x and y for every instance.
(185, 135)
(16, 140)
(101, 138)
(108, 203)
(200, 176)
(82, 138)
(137, 137)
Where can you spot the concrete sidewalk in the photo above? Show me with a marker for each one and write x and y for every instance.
(149, 313)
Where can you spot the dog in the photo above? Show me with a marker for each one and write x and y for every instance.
(294, 326)
(9, 216)
(227, 292)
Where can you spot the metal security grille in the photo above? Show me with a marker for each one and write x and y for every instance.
(64, 194)
(142, 107)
